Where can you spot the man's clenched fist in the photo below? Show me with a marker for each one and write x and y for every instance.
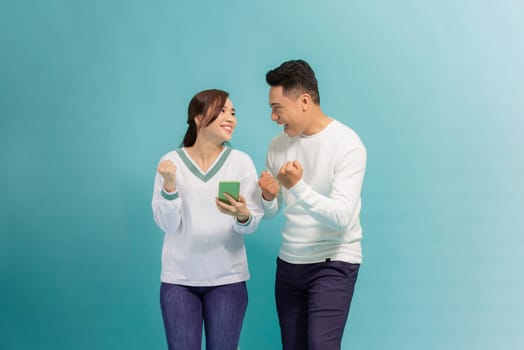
(269, 186)
(290, 174)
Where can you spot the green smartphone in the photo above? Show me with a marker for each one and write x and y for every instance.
(230, 187)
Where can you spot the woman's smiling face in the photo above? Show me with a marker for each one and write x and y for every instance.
(221, 129)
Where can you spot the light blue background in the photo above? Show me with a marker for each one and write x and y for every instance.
(92, 93)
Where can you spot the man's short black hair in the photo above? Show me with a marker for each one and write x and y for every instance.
(295, 76)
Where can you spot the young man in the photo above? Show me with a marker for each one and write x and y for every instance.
(315, 170)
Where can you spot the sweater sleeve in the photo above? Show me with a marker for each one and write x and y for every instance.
(270, 207)
(166, 207)
(338, 209)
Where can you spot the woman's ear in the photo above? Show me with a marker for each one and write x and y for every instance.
(199, 120)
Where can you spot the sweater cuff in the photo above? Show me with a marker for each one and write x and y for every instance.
(299, 190)
(169, 195)
(244, 223)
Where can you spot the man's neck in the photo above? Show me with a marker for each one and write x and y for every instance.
(318, 122)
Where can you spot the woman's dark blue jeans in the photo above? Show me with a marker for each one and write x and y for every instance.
(220, 309)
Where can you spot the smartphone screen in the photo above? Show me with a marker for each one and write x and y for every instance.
(230, 187)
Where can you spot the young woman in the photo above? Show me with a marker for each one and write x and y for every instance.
(204, 264)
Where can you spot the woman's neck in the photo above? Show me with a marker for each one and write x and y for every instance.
(204, 154)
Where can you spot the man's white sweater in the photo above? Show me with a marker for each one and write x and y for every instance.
(322, 210)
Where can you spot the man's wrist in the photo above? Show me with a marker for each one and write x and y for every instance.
(265, 197)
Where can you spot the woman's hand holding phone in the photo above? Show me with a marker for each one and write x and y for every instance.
(236, 208)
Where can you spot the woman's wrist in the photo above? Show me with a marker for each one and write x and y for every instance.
(169, 188)
(243, 218)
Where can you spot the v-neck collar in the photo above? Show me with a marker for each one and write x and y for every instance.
(196, 170)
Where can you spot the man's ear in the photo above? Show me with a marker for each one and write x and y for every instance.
(305, 101)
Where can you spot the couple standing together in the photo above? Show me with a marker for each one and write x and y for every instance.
(314, 173)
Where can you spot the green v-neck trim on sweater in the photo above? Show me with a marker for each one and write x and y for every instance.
(194, 169)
